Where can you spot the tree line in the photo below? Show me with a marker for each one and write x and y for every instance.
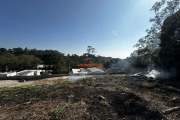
(17, 59)
(161, 46)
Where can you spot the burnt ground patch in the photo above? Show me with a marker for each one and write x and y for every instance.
(120, 104)
(99, 98)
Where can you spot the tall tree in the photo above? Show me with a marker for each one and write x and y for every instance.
(90, 49)
(170, 42)
(162, 10)
(151, 41)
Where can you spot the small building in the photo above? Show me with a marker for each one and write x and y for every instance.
(29, 73)
(8, 74)
(79, 71)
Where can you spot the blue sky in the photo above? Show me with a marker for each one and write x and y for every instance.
(112, 27)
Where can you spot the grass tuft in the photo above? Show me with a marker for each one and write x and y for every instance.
(5, 97)
(122, 88)
(54, 113)
(104, 103)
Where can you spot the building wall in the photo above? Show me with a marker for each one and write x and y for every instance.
(29, 73)
(12, 74)
(7, 74)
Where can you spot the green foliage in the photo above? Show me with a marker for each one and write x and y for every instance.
(26, 61)
(164, 32)
(9, 89)
(17, 59)
(20, 59)
(122, 88)
(36, 89)
(170, 42)
(140, 62)
(69, 106)
(18, 62)
(6, 97)
(54, 113)
(104, 103)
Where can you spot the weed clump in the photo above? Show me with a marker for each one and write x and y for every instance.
(6, 97)
(104, 103)
(122, 88)
(56, 112)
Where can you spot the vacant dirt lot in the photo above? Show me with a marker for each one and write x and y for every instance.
(100, 97)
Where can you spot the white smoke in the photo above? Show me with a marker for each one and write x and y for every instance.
(119, 64)
(154, 74)
(160, 73)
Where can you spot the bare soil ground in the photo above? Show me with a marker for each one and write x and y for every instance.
(16, 83)
(101, 97)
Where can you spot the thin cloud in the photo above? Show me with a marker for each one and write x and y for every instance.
(133, 11)
(114, 33)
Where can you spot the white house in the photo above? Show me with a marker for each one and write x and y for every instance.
(29, 73)
(79, 71)
(7, 74)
